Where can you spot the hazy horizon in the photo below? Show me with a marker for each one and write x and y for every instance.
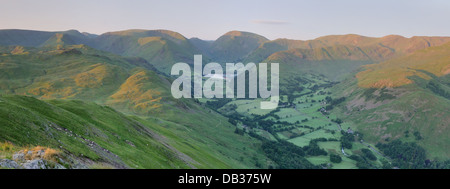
(225, 33)
(208, 20)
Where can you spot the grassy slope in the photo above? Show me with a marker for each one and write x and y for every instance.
(408, 105)
(380, 116)
(395, 72)
(23, 37)
(332, 62)
(162, 48)
(75, 72)
(31, 38)
(79, 72)
(28, 121)
(396, 45)
(235, 45)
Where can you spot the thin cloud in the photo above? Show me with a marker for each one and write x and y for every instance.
(270, 22)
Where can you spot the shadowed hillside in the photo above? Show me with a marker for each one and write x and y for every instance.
(111, 92)
(82, 73)
(234, 45)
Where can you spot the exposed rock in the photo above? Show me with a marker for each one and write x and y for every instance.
(58, 166)
(40, 153)
(35, 164)
(19, 156)
(36, 159)
(9, 164)
(79, 166)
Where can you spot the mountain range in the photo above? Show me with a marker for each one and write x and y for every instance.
(52, 81)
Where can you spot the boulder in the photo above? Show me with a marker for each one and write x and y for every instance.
(9, 164)
(19, 156)
(58, 166)
(35, 164)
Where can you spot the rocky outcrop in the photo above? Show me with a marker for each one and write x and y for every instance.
(35, 164)
(40, 158)
(9, 164)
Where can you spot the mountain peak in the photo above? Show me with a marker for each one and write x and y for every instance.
(393, 37)
(235, 45)
(148, 33)
(236, 33)
(348, 39)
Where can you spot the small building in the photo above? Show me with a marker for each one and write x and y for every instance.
(350, 131)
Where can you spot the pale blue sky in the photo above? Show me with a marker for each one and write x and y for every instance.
(208, 19)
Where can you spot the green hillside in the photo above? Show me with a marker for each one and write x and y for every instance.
(332, 62)
(24, 37)
(31, 38)
(234, 45)
(405, 98)
(96, 134)
(82, 73)
(161, 48)
(203, 45)
(84, 130)
(386, 114)
(396, 72)
(388, 46)
(346, 101)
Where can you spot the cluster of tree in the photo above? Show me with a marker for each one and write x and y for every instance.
(361, 162)
(266, 124)
(404, 155)
(335, 158)
(232, 121)
(322, 93)
(217, 103)
(337, 120)
(407, 155)
(293, 86)
(332, 139)
(406, 134)
(306, 126)
(313, 148)
(283, 128)
(314, 88)
(290, 156)
(272, 113)
(259, 137)
(257, 120)
(368, 154)
(337, 101)
(417, 135)
(287, 155)
(295, 135)
(333, 102)
(235, 117)
(436, 87)
(239, 131)
(347, 139)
